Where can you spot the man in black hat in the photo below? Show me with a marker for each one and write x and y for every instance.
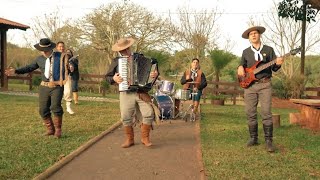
(53, 66)
(260, 90)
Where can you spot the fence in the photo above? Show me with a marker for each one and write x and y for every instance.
(315, 91)
(91, 79)
(231, 89)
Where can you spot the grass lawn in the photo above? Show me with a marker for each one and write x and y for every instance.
(25, 152)
(224, 134)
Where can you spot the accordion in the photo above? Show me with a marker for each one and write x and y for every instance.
(136, 73)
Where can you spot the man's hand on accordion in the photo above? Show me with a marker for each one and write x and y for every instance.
(154, 74)
(117, 78)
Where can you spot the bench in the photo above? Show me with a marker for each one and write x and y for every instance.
(309, 116)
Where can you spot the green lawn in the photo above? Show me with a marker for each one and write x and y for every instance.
(25, 152)
(224, 135)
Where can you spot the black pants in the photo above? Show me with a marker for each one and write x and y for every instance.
(50, 101)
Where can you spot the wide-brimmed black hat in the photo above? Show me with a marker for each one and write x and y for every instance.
(45, 44)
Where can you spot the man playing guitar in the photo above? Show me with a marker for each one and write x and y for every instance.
(260, 90)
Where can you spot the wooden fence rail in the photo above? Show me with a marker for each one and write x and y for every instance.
(231, 89)
(313, 89)
(84, 78)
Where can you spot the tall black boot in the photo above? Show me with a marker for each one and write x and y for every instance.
(253, 130)
(268, 134)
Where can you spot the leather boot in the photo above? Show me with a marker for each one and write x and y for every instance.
(253, 130)
(145, 131)
(128, 130)
(75, 97)
(49, 125)
(57, 120)
(69, 110)
(268, 134)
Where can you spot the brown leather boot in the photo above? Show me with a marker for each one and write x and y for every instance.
(145, 131)
(57, 120)
(50, 127)
(128, 130)
(76, 97)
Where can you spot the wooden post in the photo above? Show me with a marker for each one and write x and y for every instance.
(276, 120)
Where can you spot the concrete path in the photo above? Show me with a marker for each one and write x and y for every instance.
(175, 155)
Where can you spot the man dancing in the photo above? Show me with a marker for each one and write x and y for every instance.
(132, 98)
(53, 66)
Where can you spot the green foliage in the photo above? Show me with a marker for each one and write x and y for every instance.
(289, 87)
(105, 85)
(313, 71)
(220, 59)
(294, 9)
(161, 56)
(36, 80)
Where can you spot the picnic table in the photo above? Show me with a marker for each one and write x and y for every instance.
(309, 116)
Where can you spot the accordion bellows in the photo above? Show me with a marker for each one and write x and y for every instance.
(136, 73)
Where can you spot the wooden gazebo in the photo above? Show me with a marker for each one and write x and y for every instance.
(5, 25)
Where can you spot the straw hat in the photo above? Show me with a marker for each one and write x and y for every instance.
(260, 29)
(122, 44)
(45, 44)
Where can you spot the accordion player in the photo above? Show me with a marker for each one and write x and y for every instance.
(135, 73)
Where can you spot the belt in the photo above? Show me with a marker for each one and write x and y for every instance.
(48, 84)
(263, 80)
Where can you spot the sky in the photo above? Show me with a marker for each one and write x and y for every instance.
(232, 22)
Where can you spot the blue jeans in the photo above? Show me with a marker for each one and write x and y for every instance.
(198, 96)
(74, 85)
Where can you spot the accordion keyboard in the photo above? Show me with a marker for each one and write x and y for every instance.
(123, 72)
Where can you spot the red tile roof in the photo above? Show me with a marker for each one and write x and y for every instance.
(5, 23)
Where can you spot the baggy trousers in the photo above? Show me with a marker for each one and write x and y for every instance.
(50, 101)
(258, 92)
(129, 101)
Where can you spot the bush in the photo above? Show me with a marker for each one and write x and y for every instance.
(36, 80)
(287, 87)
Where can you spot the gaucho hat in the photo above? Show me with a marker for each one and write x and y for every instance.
(122, 44)
(260, 29)
(45, 44)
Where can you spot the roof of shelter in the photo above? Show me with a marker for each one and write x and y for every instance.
(314, 4)
(7, 24)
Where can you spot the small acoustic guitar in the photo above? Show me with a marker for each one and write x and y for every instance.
(250, 73)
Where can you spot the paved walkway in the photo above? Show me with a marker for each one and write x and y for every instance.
(174, 155)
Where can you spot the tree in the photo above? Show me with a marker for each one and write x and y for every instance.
(299, 10)
(108, 23)
(285, 34)
(196, 31)
(220, 59)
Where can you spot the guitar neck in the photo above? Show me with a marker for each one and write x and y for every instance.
(265, 66)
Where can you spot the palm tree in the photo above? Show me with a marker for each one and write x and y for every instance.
(220, 59)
